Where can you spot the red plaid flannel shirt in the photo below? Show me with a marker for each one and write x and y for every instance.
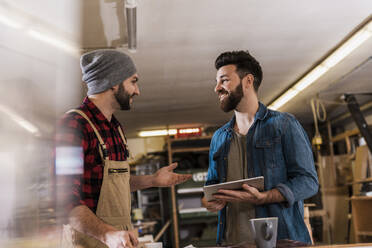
(74, 131)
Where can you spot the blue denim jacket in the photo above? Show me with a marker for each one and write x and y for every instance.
(278, 149)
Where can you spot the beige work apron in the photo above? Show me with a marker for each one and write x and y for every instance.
(114, 203)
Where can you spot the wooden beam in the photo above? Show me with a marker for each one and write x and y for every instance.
(345, 135)
(174, 202)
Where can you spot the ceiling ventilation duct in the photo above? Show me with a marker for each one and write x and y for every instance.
(131, 11)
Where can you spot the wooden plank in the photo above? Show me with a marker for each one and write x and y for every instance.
(338, 190)
(345, 245)
(344, 135)
(364, 233)
(174, 202)
(361, 211)
(196, 149)
(191, 138)
(362, 161)
(362, 198)
(317, 213)
(332, 170)
(163, 229)
(367, 180)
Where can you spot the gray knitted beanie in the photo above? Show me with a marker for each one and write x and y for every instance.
(105, 68)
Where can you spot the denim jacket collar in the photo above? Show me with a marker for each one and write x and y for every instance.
(260, 115)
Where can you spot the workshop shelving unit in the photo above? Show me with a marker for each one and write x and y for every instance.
(192, 223)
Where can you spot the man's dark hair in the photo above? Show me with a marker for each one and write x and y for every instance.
(245, 64)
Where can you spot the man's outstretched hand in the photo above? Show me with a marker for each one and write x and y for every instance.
(165, 177)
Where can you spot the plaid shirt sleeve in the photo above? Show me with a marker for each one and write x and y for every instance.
(69, 162)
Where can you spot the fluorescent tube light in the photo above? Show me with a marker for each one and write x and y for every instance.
(162, 132)
(283, 99)
(334, 58)
(310, 78)
(351, 44)
(189, 130)
(172, 131)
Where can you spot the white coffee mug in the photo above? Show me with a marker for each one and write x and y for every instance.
(264, 231)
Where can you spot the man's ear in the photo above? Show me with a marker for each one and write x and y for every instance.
(115, 88)
(248, 81)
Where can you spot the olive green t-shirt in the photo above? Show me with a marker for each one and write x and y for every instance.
(238, 214)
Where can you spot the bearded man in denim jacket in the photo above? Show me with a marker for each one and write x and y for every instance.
(257, 141)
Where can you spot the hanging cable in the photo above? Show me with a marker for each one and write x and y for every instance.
(319, 113)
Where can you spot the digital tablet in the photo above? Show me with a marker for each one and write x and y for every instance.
(257, 182)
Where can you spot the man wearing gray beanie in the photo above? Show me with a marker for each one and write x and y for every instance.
(99, 209)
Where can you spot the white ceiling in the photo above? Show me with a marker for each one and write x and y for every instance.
(178, 42)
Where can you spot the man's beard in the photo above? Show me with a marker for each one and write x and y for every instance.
(123, 98)
(233, 98)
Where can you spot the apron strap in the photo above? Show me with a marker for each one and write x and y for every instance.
(122, 135)
(125, 142)
(102, 147)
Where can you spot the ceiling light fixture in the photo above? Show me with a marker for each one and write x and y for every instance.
(189, 130)
(162, 132)
(349, 45)
(131, 11)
